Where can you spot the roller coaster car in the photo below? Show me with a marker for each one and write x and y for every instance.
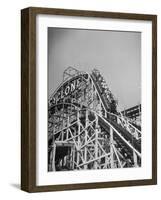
(111, 104)
(113, 107)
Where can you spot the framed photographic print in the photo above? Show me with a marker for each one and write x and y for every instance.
(88, 99)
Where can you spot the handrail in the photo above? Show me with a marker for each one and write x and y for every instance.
(127, 122)
(120, 117)
(111, 126)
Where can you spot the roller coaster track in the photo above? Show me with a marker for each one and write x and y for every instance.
(83, 133)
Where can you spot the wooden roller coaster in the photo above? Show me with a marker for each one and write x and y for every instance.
(85, 128)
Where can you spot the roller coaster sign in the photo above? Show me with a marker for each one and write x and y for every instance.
(66, 90)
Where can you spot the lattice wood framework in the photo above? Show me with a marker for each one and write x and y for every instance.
(84, 132)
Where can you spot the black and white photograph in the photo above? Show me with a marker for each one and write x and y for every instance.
(89, 99)
(94, 99)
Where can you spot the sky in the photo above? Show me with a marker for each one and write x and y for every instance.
(117, 55)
